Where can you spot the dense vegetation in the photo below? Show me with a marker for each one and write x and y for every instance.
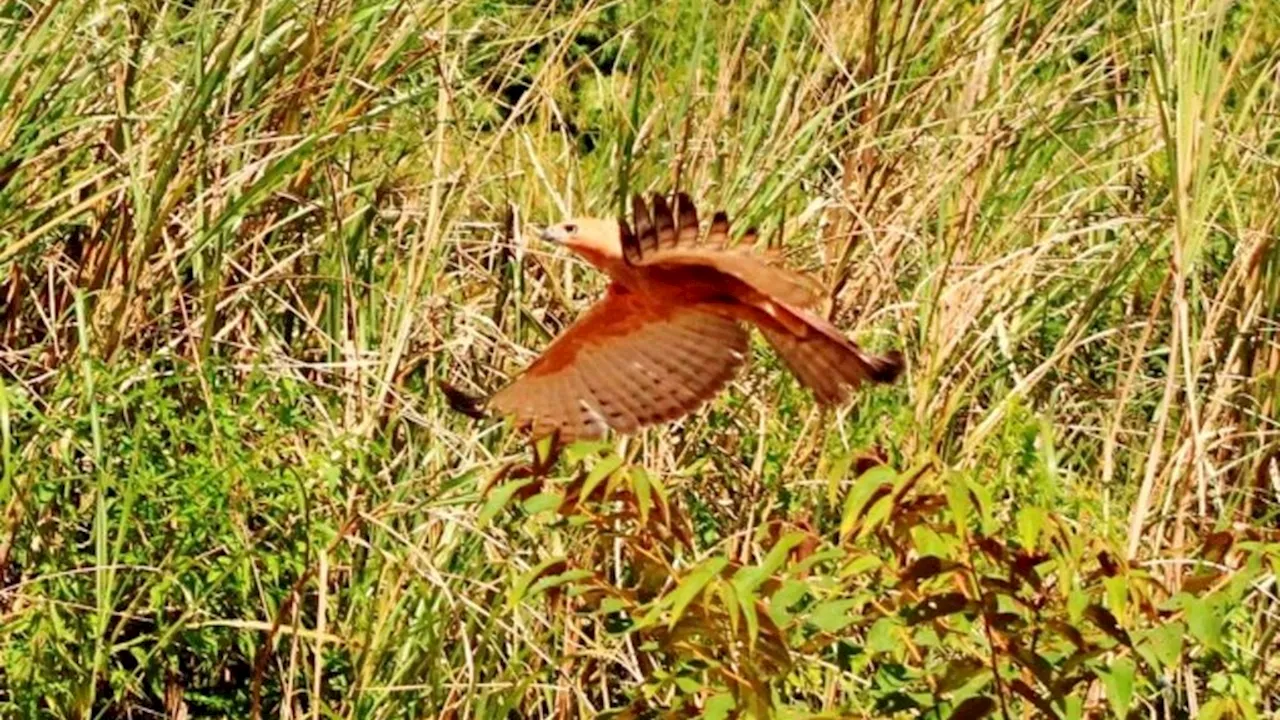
(240, 242)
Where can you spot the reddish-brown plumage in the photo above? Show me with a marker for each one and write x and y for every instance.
(670, 333)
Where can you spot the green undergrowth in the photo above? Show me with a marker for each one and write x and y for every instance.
(232, 549)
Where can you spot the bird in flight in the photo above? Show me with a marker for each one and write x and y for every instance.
(671, 330)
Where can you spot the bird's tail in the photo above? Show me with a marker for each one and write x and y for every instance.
(827, 362)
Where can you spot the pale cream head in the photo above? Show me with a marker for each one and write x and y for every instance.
(593, 238)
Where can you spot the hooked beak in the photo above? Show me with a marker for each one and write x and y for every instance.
(553, 234)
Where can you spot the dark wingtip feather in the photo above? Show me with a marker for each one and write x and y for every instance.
(663, 222)
(630, 243)
(640, 212)
(459, 401)
(886, 368)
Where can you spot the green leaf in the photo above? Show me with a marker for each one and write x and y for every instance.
(1118, 682)
(863, 488)
(520, 588)
(819, 557)
(542, 448)
(546, 583)
(1117, 594)
(860, 565)
(644, 492)
(878, 513)
(718, 707)
(747, 579)
(747, 604)
(788, 595)
(659, 490)
(959, 504)
(499, 497)
(1077, 601)
(599, 472)
(1030, 522)
(691, 585)
(612, 605)
(687, 684)
(832, 615)
(1217, 709)
(729, 600)
(580, 450)
(543, 502)
(1166, 643)
(882, 637)
(1204, 622)
(929, 542)
(835, 474)
(981, 495)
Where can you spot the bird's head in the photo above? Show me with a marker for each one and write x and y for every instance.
(597, 240)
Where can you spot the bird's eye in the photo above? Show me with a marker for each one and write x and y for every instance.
(571, 229)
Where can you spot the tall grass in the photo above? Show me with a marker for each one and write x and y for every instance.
(239, 243)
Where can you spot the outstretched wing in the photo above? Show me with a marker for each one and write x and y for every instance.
(631, 360)
(672, 236)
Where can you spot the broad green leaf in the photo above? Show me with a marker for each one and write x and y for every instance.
(861, 564)
(959, 504)
(687, 684)
(499, 497)
(542, 448)
(718, 707)
(1074, 707)
(692, 584)
(1077, 601)
(1166, 643)
(981, 494)
(729, 600)
(580, 450)
(644, 492)
(1118, 682)
(1218, 708)
(835, 474)
(863, 488)
(1248, 694)
(655, 483)
(546, 583)
(819, 557)
(1117, 594)
(929, 542)
(789, 594)
(543, 502)
(747, 579)
(878, 513)
(599, 472)
(1204, 622)
(1031, 522)
(747, 604)
(832, 615)
(521, 586)
(612, 605)
(882, 637)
